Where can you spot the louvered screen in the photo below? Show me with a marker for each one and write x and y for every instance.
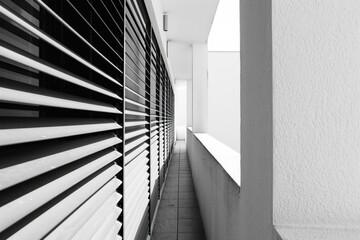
(137, 137)
(154, 119)
(86, 120)
(61, 119)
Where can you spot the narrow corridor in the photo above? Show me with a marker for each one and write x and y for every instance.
(179, 215)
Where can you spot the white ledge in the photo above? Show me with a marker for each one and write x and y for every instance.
(317, 233)
(228, 158)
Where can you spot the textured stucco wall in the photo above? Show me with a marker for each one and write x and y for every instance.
(316, 112)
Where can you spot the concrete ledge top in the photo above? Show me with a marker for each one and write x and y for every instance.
(228, 158)
(317, 233)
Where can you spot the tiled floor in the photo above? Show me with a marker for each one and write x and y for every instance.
(179, 216)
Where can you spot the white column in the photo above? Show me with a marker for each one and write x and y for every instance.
(200, 88)
(189, 103)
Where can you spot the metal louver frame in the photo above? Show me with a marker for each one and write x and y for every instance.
(86, 120)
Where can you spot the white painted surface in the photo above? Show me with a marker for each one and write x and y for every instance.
(189, 103)
(256, 120)
(225, 30)
(226, 157)
(181, 59)
(316, 69)
(217, 192)
(200, 88)
(317, 233)
(189, 21)
(180, 109)
(224, 98)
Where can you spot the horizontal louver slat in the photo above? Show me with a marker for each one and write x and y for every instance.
(106, 225)
(25, 94)
(50, 69)
(46, 157)
(113, 231)
(134, 143)
(53, 216)
(68, 228)
(27, 203)
(95, 221)
(29, 130)
(53, 42)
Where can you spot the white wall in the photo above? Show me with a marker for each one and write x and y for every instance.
(200, 88)
(224, 97)
(316, 93)
(189, 101)
(181, 59)
(181, 108)
(225, 30)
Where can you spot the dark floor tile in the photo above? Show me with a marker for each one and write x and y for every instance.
(185, 180)
(173, 174)
(174, 171)
(187, 177)
(191, 236)
(186, 188)
(185, 169)
(170, 195)
(164, 236)
(184, 163)
(171, 189)
(171, 183)
(178, 216)
(169, 203)
(189, 203)
(167, 213)
(165, 226)
(174, 168)
(189, 213)
(190, 225)
(187, 195)
(186, 183)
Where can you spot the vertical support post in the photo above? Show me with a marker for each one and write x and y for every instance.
(158, 78)
(148, 104)
(163, 117)
(200, 88)
(121, 65)
(189, 105)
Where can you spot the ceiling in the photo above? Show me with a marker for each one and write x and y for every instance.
(189, 21)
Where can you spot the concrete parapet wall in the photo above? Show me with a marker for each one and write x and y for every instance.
(217, 192)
